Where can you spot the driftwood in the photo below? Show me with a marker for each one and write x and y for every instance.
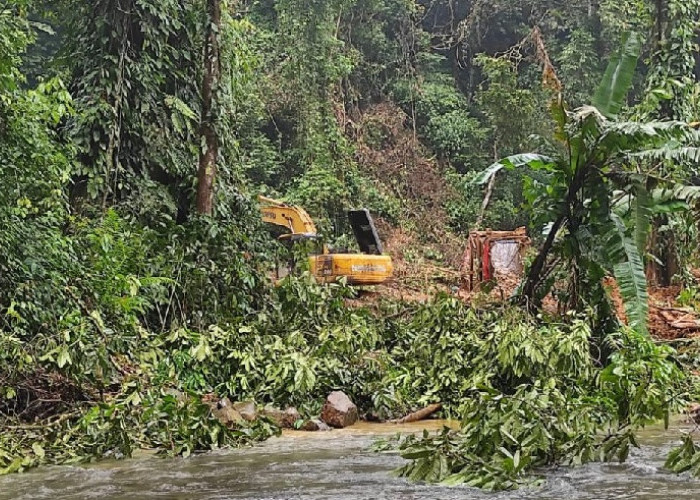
(419, 415)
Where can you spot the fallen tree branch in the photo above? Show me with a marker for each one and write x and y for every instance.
(45, 424)
(419, 415)
(685, 310)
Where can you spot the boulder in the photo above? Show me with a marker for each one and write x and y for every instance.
(315, 425)
(247, 410)
(338, 411)
(226, 413)
(284, 419)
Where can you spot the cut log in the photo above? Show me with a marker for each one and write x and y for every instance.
(419, 415)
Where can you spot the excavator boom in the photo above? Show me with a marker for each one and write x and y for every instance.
(295, 219)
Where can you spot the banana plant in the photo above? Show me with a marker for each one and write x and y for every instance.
(599, 164)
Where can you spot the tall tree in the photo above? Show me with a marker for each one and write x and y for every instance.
(135, 79)
(670, 87)
(210, 149)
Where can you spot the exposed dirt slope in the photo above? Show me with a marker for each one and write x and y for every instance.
(667, 319)
(426, 254)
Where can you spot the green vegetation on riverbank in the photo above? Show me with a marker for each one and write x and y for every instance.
(135, 272)
(521, 385)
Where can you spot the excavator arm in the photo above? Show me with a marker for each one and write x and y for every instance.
(295, 219)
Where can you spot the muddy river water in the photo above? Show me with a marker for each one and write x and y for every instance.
(337, 465)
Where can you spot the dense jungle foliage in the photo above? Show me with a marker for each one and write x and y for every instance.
(135, 273)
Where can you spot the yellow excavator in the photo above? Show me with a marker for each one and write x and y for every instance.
(367, 268)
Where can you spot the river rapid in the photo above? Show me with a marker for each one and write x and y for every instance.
(338, 465)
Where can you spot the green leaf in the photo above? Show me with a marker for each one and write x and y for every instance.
(63, 357)
(416, 454)
(532, 160)
(628, 269)
(38, 450)
(616, 82)
(15, 466)
(134, 399)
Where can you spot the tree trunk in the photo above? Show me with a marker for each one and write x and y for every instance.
(596, 26)
(660, 23)
(534, 275)
(419, 415)
(485, 203)
(662, 246)
(212, 71)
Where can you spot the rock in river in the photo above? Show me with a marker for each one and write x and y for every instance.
(226, 413)
(315, 425)
(339, 411)
(247, 410)
(284, 419)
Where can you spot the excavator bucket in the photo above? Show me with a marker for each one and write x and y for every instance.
(365, 232)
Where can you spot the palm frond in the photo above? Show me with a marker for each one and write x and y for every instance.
(532, 160)
(612, 90)
(649, 140)
(587, 124)
(682, 192)
(585, 112)
(669, 152)
(643, 203)
(675, 198)
(560, 117)
(650, 129)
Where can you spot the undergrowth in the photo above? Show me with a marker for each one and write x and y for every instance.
(536, 397)
(130, 355)
(114, 332)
